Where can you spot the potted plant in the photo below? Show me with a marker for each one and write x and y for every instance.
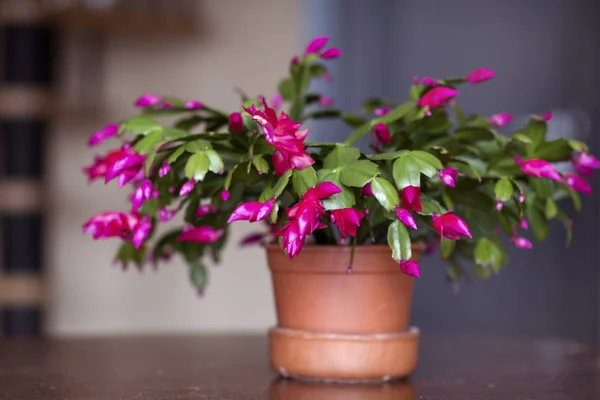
(343, 228)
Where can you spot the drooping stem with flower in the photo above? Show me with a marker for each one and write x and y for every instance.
(432, 174)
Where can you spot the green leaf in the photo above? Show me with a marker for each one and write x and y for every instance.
(461, 118)
(141, 125)
(198, 275)
(345, 199)
(550, 210)
(503, 189)
(287, 89)
(482, 272)
(340, 156)
(274, 213)
(198, 145)
(385, 193)
(323, 114)
(430, 206)
(229, 177)
(304, 179)
(148, 142)
(261, 165)
(399, 241)
(358, 173)
(149, 162)
(576, 199)
(474, 134)
(197, 166)
(538, 222)
(486, 254)
(554, 150)
(176, 154)
(536, 132)
(427, 158)
(504, 223)
(215, 162)
(281, 183)
(447, 248)
(358, 133)
(317, 70)
(353, 120)
(174, 133)
(521, 137)
(128, 253)
(388, 156)
(406, 171)
(578, 145)
(396, 113)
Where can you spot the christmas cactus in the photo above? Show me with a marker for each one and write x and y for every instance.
(433, 174)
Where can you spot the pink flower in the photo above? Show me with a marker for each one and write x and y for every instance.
(325, 101)
(283, 134)
(201, 234)
(427, 81)
(578, 183)
(481, 75)
(347, 220)
(119, 224)
(585, 163)
(206, 209)
(316, 45)
(252, 211)
(521, 242)
(164, 214)
(236, 122)
(380, 112)
(411, 198)
(305, 217)
(415, 80)
(410, 268)
(367, 191)
(437, 97)
(406, 217)
(499, 205)
(331, 54)
(187, 187)
(225, 195)
(521, 198)
(450, 226)
(141, 193)
(123, 163)
(448, 175)
(193, 105)
(164, 169)
(277, 101)
(108, 131)
(547, 116)
(295, 60)
(523, 223)
(253, 238)
(167, 104)
(148, 100)
(382, 133)
(500, 119)
(539, 168)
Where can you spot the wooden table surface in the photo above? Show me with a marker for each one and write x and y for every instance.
(235, 367)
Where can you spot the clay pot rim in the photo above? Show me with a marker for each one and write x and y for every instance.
(326, 248)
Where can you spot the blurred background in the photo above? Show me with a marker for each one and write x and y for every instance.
(70, 67)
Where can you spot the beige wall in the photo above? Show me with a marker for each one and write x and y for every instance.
(245, 43)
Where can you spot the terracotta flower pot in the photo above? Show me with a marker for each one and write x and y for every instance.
(337, 325)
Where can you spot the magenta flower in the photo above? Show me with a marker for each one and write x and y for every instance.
(225, 195)
(367, 191)
(499, 205)
(236, 122)
(521, 242)
(410, 268)
(316, 45)
(201, 234)
(193, 105)
(578, 183)
(521, 198)
(253, 238)
(141, 193)
(415, 80)
(305, 217)
(411, 198)
(108, 131)
(123, 163)
(141, 231)
(450, 226)
(380, 112)
(347, 220)
(325, 101)
(585, 163)
(277, 101)
(119, 224)
(539, 168)
(282, 133)
(164, 214)
(331, 54)
(547, 116)
(167, 104)
(500, 119)
(448, 175)
(206, 209)
(382, 133)
(148, 100)
(436, 97)
(252, 211)
(427, 81)
(523, 223)
(406, 217)
(295, 60)
(187, 187)
(480, 75)
(164, 169)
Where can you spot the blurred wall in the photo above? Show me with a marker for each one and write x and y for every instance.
(245, 44)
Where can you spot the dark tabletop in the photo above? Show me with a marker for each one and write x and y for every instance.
(235, 367)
